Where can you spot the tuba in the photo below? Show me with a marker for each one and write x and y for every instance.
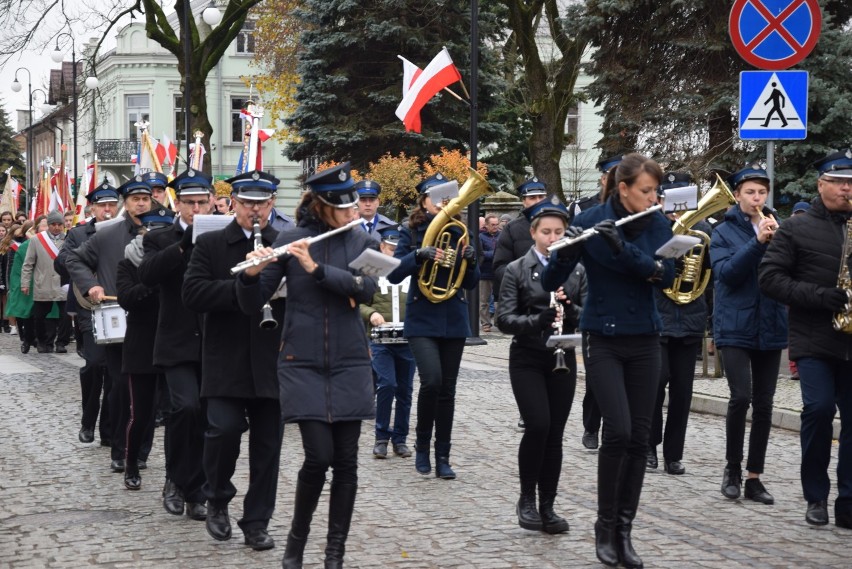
(842, 321)
(440, 280)
(690, 282)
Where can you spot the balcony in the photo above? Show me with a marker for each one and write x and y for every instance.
(115, 151)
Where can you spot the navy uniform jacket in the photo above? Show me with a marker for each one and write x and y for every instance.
(448, 319)
(621, 298)
(380, 222)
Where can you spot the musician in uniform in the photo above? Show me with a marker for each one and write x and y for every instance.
(605, 165)
(515, 241)
(436, 332)
(749, 328)
(92, 267)
(544, 391)
(621, 328)
(324, 366)
(159, 184)
(103, 201)
(47, 289)
(393, 363)
(368, 208)
(177, 348)
(800, 269)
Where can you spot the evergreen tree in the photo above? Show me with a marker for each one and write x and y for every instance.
(10, 152)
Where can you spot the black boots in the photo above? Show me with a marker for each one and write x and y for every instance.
(528, 517)
(307, 496)
(609, 475)
(422, 462)
(442, 461)
(632, 476)
(340, 508)
(550, 522)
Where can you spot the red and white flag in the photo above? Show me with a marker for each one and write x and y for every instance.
(440, 73)
(171, 152)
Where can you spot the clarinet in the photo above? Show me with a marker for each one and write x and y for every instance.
(560, 367)
(267, 322)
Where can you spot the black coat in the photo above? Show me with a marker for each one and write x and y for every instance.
(514, 242)
(178, 328)
(324, 369)
(141, 304)
(799, 267)
(237, 356)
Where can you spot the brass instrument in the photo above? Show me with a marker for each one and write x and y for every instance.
(591, 231)
(772, 218)
(441, 280)
(691, 281)
(842, 321)
(267, 321)
(560, 367)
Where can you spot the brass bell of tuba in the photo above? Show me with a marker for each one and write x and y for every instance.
(690, 282)
(441, 280)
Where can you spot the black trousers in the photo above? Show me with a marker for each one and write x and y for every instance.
(228, 418)
(94, 380)
(544, 399)
(140, 425)
(330, 445)
(65, 327)
(45, 328)
(118, 399)
(678, 372)
(591, 411)
(185, 430)
(26, 330)
(438, 361)
(752, 377)
(624, 372)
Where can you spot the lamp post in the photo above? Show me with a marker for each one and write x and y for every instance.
(16, 87)
(92, 84)
(57, 56)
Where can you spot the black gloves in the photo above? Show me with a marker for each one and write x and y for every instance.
(547, 318)
(426, 254)
(835, 299)
(469, 255)
(571, 251)
(609, 232)
(186, 242)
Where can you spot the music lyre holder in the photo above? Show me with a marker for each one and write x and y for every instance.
(565, 341)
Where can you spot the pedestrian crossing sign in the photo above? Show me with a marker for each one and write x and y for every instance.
(773, 105)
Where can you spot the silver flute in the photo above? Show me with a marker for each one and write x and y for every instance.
(285, 249)
(591, 232)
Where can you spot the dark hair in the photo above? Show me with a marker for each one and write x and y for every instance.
(10, 236)
(7, 212)
(628, 170)
(418, 214)
(313, 210)
(762, 181)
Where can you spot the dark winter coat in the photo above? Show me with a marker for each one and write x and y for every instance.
(447, 319)
(514, 242)
(743, 317)
(73, 239)
(522, 299)
(800, 266)
(324, 368)
(142, 305)
(237, 356)
(488, 244)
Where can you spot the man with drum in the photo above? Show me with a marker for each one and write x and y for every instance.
(177, 346)
(93, 267)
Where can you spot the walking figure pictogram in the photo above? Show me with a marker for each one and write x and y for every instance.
(778, 102)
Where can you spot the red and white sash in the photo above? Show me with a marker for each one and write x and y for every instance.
(14, 245)
(48, 244)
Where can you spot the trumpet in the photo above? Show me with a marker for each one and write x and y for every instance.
(591, 231)
(267, 321)
(771, 217)
(560, 367)
(285, 249)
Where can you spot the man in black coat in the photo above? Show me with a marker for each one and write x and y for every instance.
(103, 201)
(239, 378)
(177, 347)
(800, 269)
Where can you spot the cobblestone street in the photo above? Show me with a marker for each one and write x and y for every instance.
(60, 506)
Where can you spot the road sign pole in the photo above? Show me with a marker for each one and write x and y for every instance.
(770, 170)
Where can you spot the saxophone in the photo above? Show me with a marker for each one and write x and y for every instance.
(842, 321)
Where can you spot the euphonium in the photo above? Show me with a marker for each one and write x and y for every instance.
(440, 280)
(842, 321)
(690, 282)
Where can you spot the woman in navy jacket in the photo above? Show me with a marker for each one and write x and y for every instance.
(748, 327)
(621, 329)
(436, 333)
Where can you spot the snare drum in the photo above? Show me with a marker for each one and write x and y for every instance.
(109, 323)
(388, 334)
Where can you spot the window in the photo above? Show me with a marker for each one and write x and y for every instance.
(138, 110)
(238, 128)
(572, 124)
(245, 39)
(180, 124)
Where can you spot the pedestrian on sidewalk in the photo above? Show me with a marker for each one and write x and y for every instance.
(750, 329)
(544, 394)
(20, 305)
(800, 269)
(487, 293)
(621, 330)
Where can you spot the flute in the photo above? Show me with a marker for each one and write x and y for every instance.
(284, 249)
(591, 232)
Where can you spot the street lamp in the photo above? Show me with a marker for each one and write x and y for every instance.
(58, 56)
(16, 87)
(211, 15)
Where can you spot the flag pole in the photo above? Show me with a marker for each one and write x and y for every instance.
(473, 209)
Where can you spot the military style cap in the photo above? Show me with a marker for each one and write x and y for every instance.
(674, 180)
(158, 214)
(103, 193)
(546, 207)
(434, 180)
(368, 188)
(156, 179)
(532, 187)
(801, 206)
(135, 185)
(192, 182)
(607, 164)
(255, 185)
(390, 235)
(752, 172)
(837, 164)
(334, 186)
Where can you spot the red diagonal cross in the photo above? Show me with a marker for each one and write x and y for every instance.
(775, 24)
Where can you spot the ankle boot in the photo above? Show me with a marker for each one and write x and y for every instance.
(307, 496)
(340, 508)
(442, 462)
(628, 503)
(528, 517)
(550, 522)
(609, 475)
(421, 457)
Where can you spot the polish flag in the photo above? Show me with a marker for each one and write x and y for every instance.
(410, 73)
(80, 206)
(440, 73)
(171, 151)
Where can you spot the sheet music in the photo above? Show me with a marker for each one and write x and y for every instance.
(680, 199)
(107, 222)
(374, 264)
(446, 191)
(677, 246)
(204, 223)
